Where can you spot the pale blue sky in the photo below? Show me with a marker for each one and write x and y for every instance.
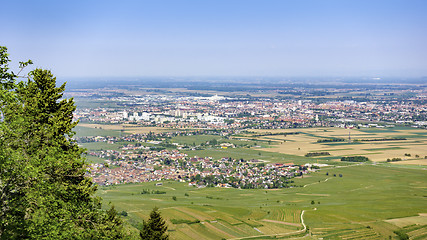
(386, 38)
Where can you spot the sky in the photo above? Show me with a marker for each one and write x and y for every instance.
(290, 38)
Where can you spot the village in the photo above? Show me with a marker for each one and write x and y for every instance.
(131, 165)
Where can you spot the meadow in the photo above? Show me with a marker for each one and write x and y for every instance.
(92, 129)
(367, 202)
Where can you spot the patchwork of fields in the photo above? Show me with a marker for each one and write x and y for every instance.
(305, 142)
(370, 201)
(358, 205)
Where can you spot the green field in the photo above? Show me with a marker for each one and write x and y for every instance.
(357, 205)
(93, 132)
(97, 146)
(202, 139)
(93, 159)
(196, 139)
(248, 154)
(369, 201)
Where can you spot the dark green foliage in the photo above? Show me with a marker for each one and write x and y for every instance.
(355, 159)
(380, 139)
(331, 140)
(183, 221)
(394, 159)
(43, 189)
(158, 192)
(314, 154)
(217, 198)
(401, 235)
(147, 191)
(7, 78)
(155, 228)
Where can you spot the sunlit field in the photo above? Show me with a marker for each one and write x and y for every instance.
(305, 142)
(359, 205)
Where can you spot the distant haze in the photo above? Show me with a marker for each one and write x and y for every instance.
(314, 38)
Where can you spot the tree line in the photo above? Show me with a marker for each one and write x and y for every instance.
(355, 159)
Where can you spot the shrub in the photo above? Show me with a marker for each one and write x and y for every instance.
(355, 159)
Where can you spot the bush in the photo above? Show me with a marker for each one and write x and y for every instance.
(401, 235)
(184, 221)
(355, 159)
(331, 140)
(314, 154)
(394, 159)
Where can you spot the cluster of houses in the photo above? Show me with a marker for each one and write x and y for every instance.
(131, 167)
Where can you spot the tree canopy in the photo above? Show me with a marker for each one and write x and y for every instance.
(44, 193)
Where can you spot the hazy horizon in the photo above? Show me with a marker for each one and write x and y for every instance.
(290, 39)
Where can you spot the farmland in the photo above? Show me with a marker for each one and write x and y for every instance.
(91, 128)
(363, 203)
(280, 145)
(343, 200)
(305, 142)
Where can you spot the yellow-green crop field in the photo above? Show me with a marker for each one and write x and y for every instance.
(305, 142)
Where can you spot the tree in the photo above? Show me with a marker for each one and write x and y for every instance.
(44, 191)
(155, 228)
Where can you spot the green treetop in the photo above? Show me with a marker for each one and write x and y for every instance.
(44, 193)
(155, 228)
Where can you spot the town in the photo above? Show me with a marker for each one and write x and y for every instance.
(285, 110)
(152, 156)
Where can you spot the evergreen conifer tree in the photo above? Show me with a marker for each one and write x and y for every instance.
(44, 193)
(155, 228)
